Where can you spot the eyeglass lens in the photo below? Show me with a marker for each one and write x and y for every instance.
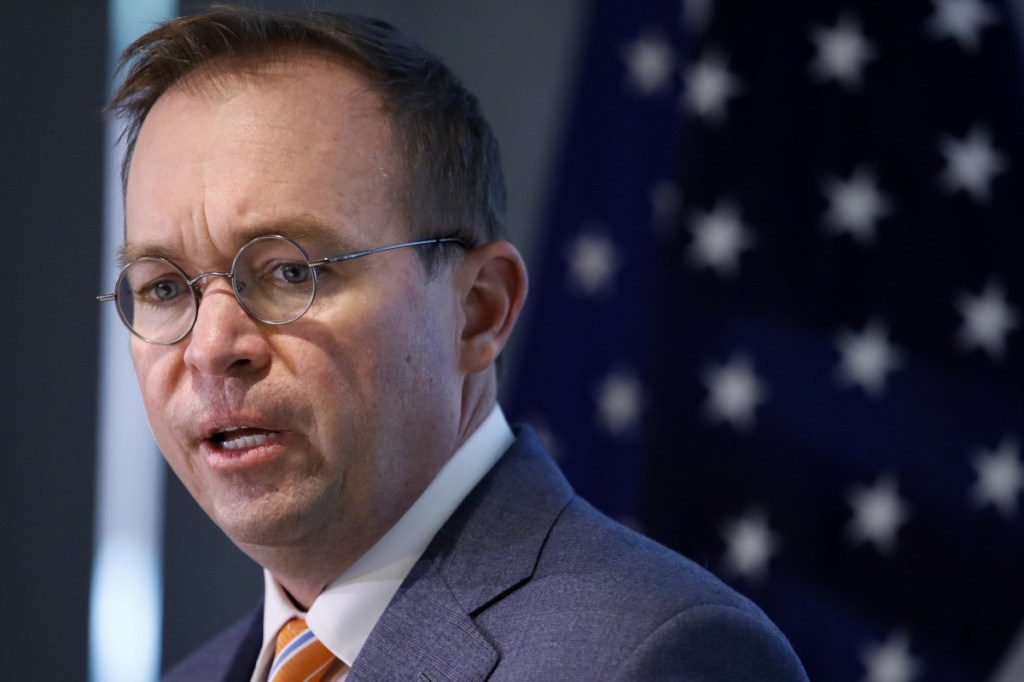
(273, 281)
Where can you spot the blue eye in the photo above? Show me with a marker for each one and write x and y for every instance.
(166, 290)
(294, 273)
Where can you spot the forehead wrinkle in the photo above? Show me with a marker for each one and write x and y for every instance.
(303, 229)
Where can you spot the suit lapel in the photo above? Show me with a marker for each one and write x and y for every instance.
(424, 635)
(487, 549)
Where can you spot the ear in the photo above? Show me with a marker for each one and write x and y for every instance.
(493, 284)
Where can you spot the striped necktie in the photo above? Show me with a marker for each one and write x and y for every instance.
(299, 656)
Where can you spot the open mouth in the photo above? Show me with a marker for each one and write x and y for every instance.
(240, 437)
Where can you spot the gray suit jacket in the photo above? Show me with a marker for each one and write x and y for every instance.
(527, 581)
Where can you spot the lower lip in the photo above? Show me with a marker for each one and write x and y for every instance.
(228, 461)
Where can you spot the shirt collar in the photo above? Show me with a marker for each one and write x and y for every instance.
(345, 613)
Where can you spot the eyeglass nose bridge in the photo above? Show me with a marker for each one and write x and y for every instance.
(197, 291)
(193, 283)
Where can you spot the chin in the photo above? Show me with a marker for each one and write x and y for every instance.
(269, 519)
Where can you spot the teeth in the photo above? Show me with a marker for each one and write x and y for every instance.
(249, 441)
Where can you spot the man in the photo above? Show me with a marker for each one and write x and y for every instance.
(318, 290)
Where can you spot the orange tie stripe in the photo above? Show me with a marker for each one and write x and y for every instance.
(299, 656)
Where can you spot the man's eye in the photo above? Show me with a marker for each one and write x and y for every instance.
(163, 291)
(294, 273)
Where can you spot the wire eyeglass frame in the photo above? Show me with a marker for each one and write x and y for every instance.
(197, 294)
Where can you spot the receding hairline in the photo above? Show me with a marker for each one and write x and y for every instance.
(253, 66)
(256, 64)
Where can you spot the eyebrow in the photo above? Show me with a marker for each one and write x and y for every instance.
(303, 229)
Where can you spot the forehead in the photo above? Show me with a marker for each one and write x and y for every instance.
(316, 75)
(296, 139)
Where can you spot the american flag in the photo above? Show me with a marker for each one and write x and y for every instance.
(776, 315)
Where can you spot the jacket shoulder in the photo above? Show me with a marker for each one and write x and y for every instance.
(604, 598)
(230, 656)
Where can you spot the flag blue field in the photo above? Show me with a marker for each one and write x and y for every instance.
(777, 310)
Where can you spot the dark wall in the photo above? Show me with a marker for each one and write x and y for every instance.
(51, 137)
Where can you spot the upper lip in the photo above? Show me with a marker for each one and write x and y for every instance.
(208, 428)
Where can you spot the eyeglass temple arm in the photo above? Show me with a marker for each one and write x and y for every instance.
(106, 297)
(360, 254)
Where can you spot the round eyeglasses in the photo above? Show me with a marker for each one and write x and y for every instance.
(273, 279)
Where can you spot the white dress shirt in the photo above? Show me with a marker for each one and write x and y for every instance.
(349, 608)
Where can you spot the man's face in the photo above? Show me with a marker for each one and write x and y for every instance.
(355, 405)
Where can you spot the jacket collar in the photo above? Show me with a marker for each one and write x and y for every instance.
(487, 549)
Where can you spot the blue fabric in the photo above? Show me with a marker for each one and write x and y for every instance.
(527, 581)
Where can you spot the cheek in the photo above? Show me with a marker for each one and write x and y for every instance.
(380, 355)
(349, 372)
(408, 344)
(418, 375)
(156, 368)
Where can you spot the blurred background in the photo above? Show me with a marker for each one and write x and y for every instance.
(775, 318)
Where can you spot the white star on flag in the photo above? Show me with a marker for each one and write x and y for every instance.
(749, 545)
(1000, 477)
(988, 320)
(734, 392)
(718, 239)
(855, 205)
(593, 262)
(878, 513)
(842, 52)
(961, 20)
(971, 164)
(867, 358)
(891, 661)
(619, 402)
(709, 86)
(650, 61)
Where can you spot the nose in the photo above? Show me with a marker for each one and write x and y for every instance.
(225, 340)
